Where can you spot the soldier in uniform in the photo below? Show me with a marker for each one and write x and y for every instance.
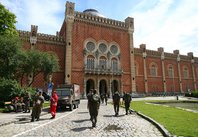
(127, 101)
(37, 106)
(27, 102)
(94, 104)
(116, 102)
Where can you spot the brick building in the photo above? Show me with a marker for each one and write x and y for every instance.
(98, 52)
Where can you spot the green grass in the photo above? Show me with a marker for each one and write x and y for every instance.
(176, 121)
(46, 104)
(2, 110)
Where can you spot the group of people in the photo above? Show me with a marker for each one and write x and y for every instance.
(38, 105)
(21, 103)
(94, 104)
(116, 102)
(104, 97)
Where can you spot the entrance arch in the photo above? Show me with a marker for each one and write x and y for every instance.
(89, 85)
(102, 87)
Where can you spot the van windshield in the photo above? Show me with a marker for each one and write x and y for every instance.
(63, 92)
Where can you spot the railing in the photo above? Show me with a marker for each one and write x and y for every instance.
(102, 71)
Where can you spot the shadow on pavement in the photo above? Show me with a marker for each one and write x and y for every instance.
(113, 115)
(28, 120)
(79, 129)
(83, 112)
(80, 121)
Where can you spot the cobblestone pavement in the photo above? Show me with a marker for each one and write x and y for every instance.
(77, 124)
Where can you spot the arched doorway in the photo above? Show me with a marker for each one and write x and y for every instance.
(114, 87)
(89, 85)
(102, 87)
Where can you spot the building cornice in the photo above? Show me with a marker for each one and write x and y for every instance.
(42, 38)
(100, 21)
(157, 54)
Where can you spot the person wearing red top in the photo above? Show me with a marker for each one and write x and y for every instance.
(53, 104)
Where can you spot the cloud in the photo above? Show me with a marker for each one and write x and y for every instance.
(169, 24)
(48, 15)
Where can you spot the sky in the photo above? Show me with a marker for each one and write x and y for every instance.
(171, 24)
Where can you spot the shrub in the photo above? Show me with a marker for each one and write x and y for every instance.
(9, 89)
(194, 94)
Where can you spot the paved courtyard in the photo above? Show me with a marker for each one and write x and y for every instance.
(77, 124)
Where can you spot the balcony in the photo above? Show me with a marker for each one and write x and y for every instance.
(103, 71)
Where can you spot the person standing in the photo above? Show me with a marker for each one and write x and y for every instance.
(89, 96)
(105, 98)
(94, 104)
(37, 106)
(53, 104)
(116, 102)
(127, 101)
(27, 102)
(102, 97)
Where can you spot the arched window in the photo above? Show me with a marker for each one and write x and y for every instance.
(90, 62)
(102, 63)
(114, 64)
(170, 72)
(153, 69)
(185, 72)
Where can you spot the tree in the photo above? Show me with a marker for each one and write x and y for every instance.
(36, 62)
(10, 50)
(49, 65)
(7, 22)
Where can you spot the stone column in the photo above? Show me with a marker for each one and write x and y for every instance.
(33, 41)
(143, 48)
(193, 70)
(190, 55)
(163, 69)
(145, 73)
(179, 73)
(69, 20)
(130, 23)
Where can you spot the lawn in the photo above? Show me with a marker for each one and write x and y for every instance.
(176, 121)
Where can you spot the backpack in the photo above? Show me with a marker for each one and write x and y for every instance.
(95, 98)
(127, 97)
(116, 97)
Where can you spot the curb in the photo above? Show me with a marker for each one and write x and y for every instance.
(45, 111)
(164, 131)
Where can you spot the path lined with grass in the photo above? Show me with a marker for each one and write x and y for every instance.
(176, 121)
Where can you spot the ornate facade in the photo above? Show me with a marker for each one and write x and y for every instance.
(98, 52)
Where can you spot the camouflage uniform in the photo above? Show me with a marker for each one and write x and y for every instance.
(27, 103)
(94, 104)
(37, 106)
(116, 102)
(127, 101)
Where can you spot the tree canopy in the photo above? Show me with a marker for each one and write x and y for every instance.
(10, 50)
(7, 22)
